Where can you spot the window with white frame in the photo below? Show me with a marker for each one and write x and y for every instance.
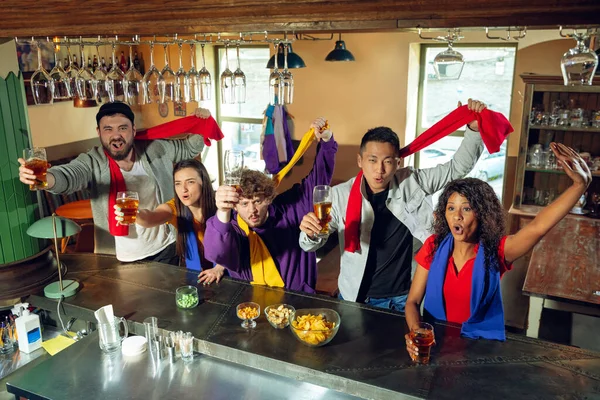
(487, 76)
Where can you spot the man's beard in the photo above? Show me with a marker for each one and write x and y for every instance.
(120, 154)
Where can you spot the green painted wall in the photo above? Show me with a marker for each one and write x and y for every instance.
(18, 204)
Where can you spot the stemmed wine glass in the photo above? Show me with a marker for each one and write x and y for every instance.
(72, 71)
(62, 83)
(227, 92)
(234, 164)
(84, 79)
(204, 80)
(114, 80)
(169, 79)
(42, 84)
(154, 84)
(133, 84)
(579, 64)
(182, 82)
(99, 82)
(275, 80)
(239, 81)
(193, 80)
(287, 79)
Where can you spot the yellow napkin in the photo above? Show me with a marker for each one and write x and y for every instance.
(53, 346)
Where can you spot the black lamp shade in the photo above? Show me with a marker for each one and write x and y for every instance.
(339, 53)
(294, 60)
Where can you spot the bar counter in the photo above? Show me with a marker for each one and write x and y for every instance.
(366, 359)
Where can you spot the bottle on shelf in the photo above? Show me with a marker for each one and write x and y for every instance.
(66, 64)
(103, 65)
(89, 64)
(95, 63)
(136, 62)
(75, 61)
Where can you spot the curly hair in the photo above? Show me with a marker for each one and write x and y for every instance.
(488, 211)
(256, 184)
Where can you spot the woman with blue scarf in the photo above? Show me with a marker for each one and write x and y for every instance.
(187, 212)
(460, 265)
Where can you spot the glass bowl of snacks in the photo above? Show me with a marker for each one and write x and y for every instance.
(186, 296)
(248, 312)
(279, 315)
(315, 327)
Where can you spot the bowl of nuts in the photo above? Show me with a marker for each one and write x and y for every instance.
(248, 312)
(279, 315)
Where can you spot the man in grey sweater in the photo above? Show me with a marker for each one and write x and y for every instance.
(147, 168)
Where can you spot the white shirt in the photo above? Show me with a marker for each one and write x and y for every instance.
(142, 242)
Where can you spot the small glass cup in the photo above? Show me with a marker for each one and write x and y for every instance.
(423, 337)
(186, 296)
(35, 160)
(186, 346)
(234, 163)
(129, 202)
(248, 312)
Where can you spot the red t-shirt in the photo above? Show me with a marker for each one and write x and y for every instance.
(457, 287)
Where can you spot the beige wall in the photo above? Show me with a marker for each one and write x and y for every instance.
(8, 58)
(380, 88)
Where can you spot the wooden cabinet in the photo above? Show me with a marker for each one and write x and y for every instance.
(539, 182)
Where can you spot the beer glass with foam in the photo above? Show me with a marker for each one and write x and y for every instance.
(322, 207)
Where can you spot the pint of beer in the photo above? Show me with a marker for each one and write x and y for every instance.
(322, 208)
(128, 202)
(423, 337)
(35, 160)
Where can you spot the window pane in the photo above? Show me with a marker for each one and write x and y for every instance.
(246, 138)
(486, 76)
(253, 63)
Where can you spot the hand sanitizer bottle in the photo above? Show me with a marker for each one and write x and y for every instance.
(29, 332)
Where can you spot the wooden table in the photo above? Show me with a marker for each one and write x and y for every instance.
(565, 266)
(79, 211)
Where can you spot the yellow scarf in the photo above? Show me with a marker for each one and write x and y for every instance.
(264, 270)
(305, 143)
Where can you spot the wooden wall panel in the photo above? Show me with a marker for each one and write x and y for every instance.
(109, 17)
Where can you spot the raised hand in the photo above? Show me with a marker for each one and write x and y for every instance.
(226, 197)
(202, 112)
(321, 129)
(573, 165)
(477, 106)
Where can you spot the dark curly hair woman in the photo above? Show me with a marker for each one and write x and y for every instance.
(460, 265)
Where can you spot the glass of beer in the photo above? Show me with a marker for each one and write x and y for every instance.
(423, 337)
(322, 208)
(234, 163)
(128, 202)
(35, 160)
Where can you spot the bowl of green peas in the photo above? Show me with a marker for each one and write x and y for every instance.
(186, 296)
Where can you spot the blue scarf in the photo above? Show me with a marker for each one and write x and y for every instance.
(487, 314)
(192, 253)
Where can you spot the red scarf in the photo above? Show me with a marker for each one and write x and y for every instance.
(206, 127)
(493, 126)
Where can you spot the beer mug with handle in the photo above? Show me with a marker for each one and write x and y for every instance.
(110, 339)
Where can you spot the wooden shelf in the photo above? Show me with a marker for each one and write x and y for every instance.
(555, 171)
(564, 128)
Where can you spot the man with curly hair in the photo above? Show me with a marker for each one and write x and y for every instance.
(254, 233)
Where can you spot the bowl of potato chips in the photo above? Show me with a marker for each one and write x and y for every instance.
(315, 327)
(279, 315)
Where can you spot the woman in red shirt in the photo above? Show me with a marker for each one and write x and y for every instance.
(459, 267)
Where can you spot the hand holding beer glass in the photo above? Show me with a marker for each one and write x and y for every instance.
(419, 342)
(234, 164)
(35, 160)
(322, 208)
(126, 208)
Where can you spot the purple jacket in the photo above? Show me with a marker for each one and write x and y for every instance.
(227, 245)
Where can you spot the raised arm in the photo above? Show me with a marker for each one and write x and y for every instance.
(575, 167)
(310, 225)
(463, 161)
(64, 179)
